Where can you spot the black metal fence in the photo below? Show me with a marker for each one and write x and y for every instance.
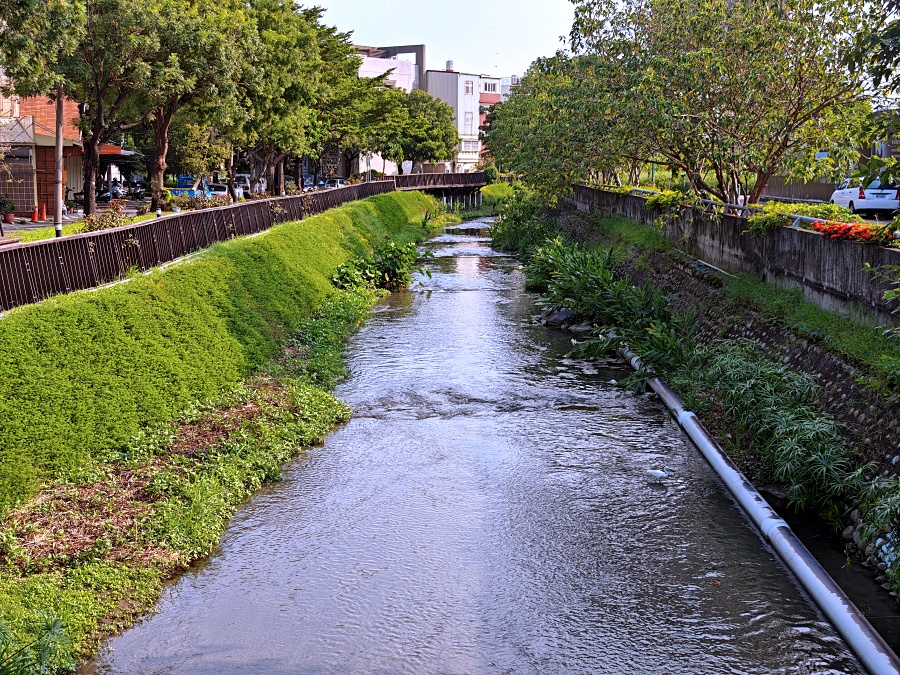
(34, 271)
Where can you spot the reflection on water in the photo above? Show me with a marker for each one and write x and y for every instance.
(485, 511)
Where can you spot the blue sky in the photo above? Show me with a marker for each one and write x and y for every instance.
(480, 36)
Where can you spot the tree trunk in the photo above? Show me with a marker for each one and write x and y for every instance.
(278, 185)
(229, 168)
(762, 180)
(162, 120)
(298, 173)
(270, 176)
(90, 166)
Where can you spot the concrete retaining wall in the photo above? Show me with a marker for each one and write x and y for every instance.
(829, 271)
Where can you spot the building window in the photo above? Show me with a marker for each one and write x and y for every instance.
(470, 87)
(471, 146)
(470, 120)
(490, 87)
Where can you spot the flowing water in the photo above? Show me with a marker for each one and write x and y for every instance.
(486, 511)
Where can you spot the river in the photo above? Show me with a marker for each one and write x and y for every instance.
(485, 511)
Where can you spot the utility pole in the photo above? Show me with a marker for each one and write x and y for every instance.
(60, 194)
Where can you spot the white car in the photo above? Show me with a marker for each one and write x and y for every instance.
(874, 198)
(221, 190)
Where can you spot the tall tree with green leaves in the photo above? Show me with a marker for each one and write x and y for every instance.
(339, 109)
(202, 45)
(732, 93)
(283, 80)
(563, 125)
(428, 134)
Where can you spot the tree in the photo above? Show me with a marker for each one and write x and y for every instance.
(729, 93)
(428, 133)
(343, 105)
(283, 81)
(563, 125)
(108, 75)
(195, 148)
(202, 44)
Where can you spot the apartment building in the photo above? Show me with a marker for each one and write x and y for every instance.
(462, 92)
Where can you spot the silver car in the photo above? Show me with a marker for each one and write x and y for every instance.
(876, 197)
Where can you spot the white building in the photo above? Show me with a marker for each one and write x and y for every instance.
(507, 84)
(379, 60)
(462, 92)
(407, 64)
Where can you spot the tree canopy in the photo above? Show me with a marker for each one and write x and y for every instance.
(730, 93)
(427, 134)
(262, 80)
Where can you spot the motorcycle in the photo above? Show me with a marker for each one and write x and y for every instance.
(138, 193)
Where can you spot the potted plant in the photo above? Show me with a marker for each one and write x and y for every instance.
(7, 208)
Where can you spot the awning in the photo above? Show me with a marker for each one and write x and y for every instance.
(17, 130)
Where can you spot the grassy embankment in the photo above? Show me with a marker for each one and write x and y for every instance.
(135, 418)
(765, 414)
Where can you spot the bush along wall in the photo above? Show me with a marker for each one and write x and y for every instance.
(135, 418)
(767, 373)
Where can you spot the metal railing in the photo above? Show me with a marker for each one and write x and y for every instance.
(419, 181)
(31, 272)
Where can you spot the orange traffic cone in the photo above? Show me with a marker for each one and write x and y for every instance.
(34, 214)
(43, 211)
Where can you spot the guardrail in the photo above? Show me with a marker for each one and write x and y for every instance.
(419, 181)
(34, 271)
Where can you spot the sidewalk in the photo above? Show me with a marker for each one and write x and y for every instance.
(25, 225)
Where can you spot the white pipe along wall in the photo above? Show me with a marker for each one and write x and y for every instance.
(863, 639)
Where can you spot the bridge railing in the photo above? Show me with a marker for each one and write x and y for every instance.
(419, 181)
(33, 271)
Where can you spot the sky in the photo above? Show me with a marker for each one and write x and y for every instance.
(490, 37)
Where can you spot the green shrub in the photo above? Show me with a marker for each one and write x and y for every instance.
(491, 174)
(493, 195)
(80, 374)
(667, 200)
(389, 267)
(770, 406)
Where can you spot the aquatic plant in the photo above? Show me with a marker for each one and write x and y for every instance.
(390, 267)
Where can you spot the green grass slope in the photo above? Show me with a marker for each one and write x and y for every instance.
(81, 374)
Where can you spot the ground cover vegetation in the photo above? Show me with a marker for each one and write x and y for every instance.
(655, 83)
(137, 417)
(764, 413)
(262, 82)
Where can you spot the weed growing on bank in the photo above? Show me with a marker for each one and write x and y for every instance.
(390, 267)
(93, 553)
(777, 432)
(763, 412)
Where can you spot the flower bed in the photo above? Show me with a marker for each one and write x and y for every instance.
(867, 233)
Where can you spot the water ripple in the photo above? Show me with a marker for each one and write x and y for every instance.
(486, 511)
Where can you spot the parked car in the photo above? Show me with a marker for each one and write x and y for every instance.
(335, 182)
(242, 180)
(219, 190)
(875, 197)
